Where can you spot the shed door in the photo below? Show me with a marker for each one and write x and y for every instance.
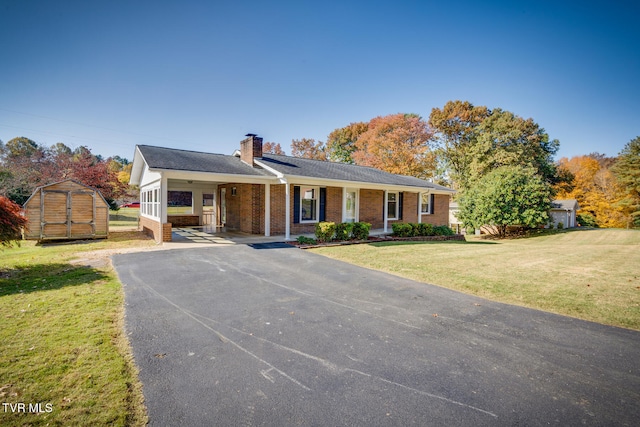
(54, 214)
(67, 214)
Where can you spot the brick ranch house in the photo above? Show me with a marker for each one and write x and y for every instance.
(267, 194)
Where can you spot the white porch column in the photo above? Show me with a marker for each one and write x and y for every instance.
(287, 213)
(419, 208)
(267, 209)
(344, 204)
(164, 197)
(385, 210)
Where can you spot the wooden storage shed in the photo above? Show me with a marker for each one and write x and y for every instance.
(66, 210)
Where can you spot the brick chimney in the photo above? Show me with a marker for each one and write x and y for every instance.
(250, 148)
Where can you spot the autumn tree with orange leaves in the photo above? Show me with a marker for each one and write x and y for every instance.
(272, 148)
(596, 189)
(397, 143)
(308, 148)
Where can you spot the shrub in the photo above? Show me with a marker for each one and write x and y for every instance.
(425, 229)
(442, 230)
(11, 222)
(560, 226)
(587, 220)
(361, 230)
(306, 240)
(344, 230)
(401, 229)
(325, 231)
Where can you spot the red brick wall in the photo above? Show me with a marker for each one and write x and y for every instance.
(440, 215)
(277, 198)
(371, 205)
(159, 232)
(245, 210)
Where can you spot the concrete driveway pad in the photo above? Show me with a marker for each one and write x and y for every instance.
(273, 335)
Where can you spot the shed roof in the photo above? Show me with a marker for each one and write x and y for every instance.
(565, 205)
(37, 189)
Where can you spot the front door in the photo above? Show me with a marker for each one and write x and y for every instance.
(207, 209)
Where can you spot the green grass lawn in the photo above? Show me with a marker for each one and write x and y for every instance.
(62, 340)
(124, 217)
(588, 274)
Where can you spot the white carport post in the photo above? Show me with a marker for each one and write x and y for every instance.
(164, 196)
(267, 209)
(287, 214)
(419, 207)
(385, 209)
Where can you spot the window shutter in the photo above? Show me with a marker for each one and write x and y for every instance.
(431, 199)
(399, 207)
(323, 203)
(296, 204)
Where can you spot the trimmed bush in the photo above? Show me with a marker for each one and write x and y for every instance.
(442, 230)
(560, 226)
(412, 230)
(361, 230)
(425, 229)
(344, 230)
(306, 240)
(401, 229)
(325, 231)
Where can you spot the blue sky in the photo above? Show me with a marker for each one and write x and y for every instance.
(200, 75)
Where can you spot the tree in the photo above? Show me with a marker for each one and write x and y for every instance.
(25, 165)
(508, 195)
(455, 129)
(272, 148)
(627, 171)
(341, 143)
(595, 188)
(397, 143)
(11, 222)
(308, 148)
(504, 139)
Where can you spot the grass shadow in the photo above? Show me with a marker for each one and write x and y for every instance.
(45, 277)
(433, 242)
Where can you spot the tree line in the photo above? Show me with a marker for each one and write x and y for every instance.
(501, 164)
(26, 165)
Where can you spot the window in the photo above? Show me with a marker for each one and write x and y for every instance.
(150, 202)
(392, 205)
(426, 203)
(309, 204)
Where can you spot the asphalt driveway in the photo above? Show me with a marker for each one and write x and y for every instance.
(248, 335)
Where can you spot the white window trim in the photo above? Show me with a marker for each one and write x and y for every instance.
(316, 191)
(428, 196)
(397, 202)
(150, 202)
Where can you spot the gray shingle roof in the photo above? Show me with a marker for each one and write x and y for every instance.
(184, 160)
(342, 172)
